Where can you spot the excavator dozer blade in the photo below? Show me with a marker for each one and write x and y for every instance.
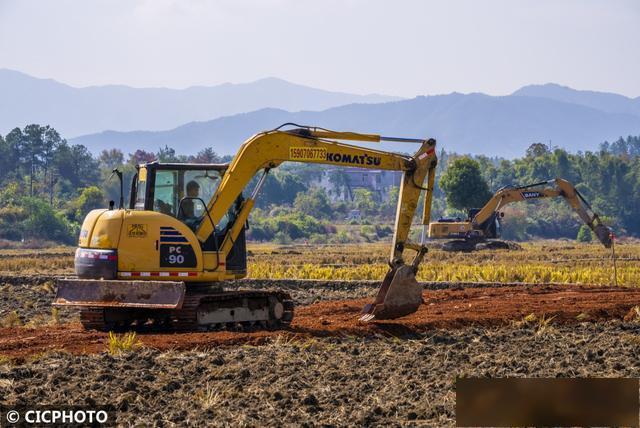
(120, 294)
(604, 234)
(399, 295)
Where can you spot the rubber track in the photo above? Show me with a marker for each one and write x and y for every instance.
(185, 319)
(93, 318)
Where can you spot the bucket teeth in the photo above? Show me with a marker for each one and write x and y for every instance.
(399, 295)
(367, 317)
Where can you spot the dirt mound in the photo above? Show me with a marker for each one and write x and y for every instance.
(450, 308)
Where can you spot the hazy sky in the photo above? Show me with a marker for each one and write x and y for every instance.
(362, 46)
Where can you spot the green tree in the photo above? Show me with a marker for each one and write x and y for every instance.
(364, 201)
(279, 189)
(10, 218)
(314, 203)
(584, 234)
(141, 156)
(340, 182)
(50, 142)
(282, 237)
(7, 159)
(463, 184)
(564, 167)
(43, 223)
(167, 154)
(390, 204)
(76, 164)
(291, 187)
(207, 155)
(536, 150)
(111, 158)
(91, 198)
(32, 151)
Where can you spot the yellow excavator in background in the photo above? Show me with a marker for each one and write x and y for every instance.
(161, 261)
(483, 225)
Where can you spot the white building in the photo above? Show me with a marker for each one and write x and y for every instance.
(339, 183)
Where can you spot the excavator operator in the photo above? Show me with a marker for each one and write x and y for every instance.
(193, 191)
(186, 212)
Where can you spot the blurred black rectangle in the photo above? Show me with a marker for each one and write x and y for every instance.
(547, 402)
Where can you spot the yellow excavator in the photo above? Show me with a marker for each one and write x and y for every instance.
(161, 260)
(483, 225)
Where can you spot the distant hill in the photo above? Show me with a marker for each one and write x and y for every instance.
(605, 101)
(76, 111)
(225, 115)
(473, 123)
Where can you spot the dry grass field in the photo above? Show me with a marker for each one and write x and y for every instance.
(540, 262)
(543, 262)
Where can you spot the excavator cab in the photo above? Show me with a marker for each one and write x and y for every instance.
(181, 190)
(491, 226)
(178, 190)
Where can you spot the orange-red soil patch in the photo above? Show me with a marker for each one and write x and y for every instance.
(451, 308)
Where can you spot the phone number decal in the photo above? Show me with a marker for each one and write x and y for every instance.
(307, 153)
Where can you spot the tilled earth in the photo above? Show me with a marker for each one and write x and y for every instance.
(327, 368)
(340, 381)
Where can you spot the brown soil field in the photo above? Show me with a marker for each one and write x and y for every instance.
(327, 368)
(343, 381)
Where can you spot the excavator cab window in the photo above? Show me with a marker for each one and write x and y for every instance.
(179, 190)
(164, 192)
(198, 187)
(183, 193)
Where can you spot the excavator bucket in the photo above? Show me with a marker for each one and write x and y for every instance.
(604, 234)
(399, 295)
(121, 294)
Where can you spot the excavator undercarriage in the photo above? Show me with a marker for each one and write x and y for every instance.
(172, 305)
(202, 308)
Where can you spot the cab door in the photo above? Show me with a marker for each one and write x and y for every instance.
(153, 241)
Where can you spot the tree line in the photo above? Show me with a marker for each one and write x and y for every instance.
(48, 186)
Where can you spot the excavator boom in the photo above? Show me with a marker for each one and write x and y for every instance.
(400, 294)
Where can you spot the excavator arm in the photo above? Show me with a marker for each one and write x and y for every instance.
(400, 294)
(268, 150)
(546, 189)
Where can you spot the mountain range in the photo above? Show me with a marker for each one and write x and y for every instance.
(222, 117)
(465, 123)
(76, 111)
(605, 101)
